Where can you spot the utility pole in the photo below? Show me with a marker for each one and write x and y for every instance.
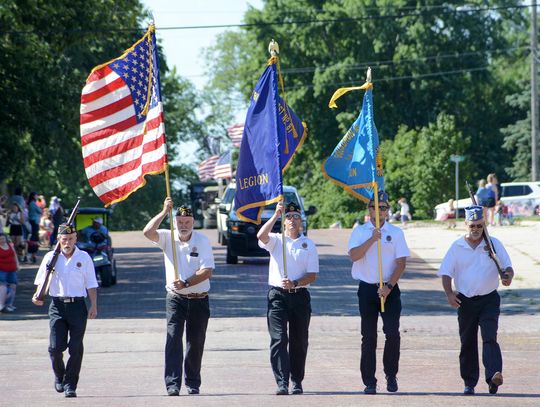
(534, 94)
(457, 159)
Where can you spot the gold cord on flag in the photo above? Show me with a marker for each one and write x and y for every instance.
(341, 91)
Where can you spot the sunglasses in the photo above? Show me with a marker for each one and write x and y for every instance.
(477, 226)
(381, 208)
(293, 216)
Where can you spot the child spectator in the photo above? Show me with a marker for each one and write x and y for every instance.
(8, 274)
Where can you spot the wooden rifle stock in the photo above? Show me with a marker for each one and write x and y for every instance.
(487, 239)
(44, 287)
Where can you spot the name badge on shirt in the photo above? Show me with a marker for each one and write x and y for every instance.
(194, 252)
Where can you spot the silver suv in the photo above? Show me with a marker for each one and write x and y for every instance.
(239, 236)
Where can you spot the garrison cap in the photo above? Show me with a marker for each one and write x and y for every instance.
(66, 229)
(184, 211)
(292, 207)
(474, 212)
(383, 196)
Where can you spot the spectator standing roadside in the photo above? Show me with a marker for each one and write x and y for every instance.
(485, 197)
(8, 274)
(405, 212)
(34, 217)
(46, 228)
(16, 222)
(57, 213)
(493, 184)
(18, 198)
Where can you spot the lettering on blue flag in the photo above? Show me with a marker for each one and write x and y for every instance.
(356, 163)
(272, 136)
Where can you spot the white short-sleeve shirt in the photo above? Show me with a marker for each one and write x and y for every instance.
(393, 246)
(71, 277)
(473, 270)
(301, 255)
(191, 256)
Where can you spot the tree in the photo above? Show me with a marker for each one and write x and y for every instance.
(427, 59)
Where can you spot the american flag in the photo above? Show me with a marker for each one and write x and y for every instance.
(223, 167)
(235, 133)
(122, 129)
(206, 168)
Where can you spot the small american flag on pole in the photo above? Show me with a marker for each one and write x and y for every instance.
(206, 168)
(235, 133)
(223, 168)
(122, 129)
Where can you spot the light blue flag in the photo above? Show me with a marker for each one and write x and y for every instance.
(356, 163)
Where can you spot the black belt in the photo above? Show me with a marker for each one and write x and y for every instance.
(374, 284)
(290, 291)
(193, 296)
(478, 297)
(69, 299)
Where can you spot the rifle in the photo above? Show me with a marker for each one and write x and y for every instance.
(487, 239)
(44, 287)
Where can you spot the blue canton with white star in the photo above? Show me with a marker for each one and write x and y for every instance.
(134, 69)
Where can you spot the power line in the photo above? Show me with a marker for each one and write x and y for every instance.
(383, 63)
(413, 13)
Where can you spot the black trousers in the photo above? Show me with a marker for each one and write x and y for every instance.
(288, 351)
(369, 304)
(482, 311)
(67, 324)
(191, 315)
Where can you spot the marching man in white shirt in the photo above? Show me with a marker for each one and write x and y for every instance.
(394, 253)
(476, 278)
(74, 277)
(289, 301)
(187, 303)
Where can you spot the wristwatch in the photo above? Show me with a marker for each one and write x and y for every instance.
(390, 285)
(295, 283)
(186, 284)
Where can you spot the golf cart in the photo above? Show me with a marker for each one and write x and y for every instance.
(96, 243)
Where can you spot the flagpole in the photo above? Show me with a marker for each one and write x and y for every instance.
(273, 49)
(171, 219)
(378, 225)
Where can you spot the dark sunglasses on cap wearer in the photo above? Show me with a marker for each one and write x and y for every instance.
(477, 226)
(292, 216)
(381, 208)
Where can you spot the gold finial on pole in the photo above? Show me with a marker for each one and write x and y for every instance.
(273, 48)
(368, 75)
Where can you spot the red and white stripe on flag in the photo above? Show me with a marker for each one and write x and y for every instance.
(235, 133)
(223, 167)
(206, 168)
(122, 129)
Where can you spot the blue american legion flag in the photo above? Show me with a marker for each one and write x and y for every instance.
(121, 122)
(272, 135)
(356, 163)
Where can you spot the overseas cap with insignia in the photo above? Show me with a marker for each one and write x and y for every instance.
(184, 211)
(65, 229)
(383, 197)
(292, 207)
(474, 212)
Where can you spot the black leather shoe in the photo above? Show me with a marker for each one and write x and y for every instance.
(281, 391)
(495, 382)
(371, 389)
(297, 388)
(70, 393)
(173, 391)
(59, 386)
(468, 391)
(391, 384)
(192, 390)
